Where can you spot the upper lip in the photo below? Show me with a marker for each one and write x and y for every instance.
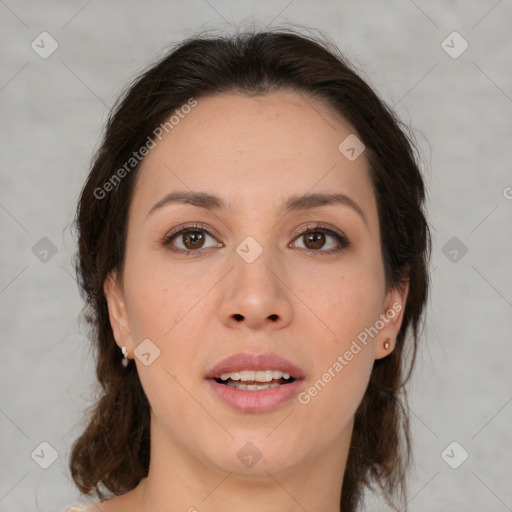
(247, 361)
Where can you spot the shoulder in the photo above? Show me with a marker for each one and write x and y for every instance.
(122, 503)
(81, 508)
(106, 506)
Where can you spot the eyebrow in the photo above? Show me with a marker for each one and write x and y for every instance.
(293, 203)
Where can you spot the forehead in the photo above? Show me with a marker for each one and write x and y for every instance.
(254, 151)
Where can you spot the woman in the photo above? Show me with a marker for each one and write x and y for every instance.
(253, 251)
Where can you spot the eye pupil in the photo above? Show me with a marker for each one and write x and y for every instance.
(196, 238)
(318, 239)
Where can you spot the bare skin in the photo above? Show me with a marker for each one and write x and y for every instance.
(307, 307)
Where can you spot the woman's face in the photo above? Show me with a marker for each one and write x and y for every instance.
(267, 273)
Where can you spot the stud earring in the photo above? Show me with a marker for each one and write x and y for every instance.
(125, 359)
(386, 345)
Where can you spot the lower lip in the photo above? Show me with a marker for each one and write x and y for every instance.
(262, 400)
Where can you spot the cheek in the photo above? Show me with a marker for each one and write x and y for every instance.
(354, 313)
(169, 395)
(160, 299)
(336, 394)
(347, 300)
(348, 304)
(343, 363)
(166, 310)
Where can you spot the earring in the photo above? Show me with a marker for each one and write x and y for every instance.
(125, 359)
(386, 345)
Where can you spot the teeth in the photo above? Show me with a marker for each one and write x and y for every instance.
(248, 375)
(251, 387)
(252, 375)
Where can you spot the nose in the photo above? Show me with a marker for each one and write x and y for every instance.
(255, 294)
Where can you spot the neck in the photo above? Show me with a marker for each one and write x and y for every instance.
(177, 481)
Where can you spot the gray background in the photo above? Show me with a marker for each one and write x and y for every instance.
(460, 110)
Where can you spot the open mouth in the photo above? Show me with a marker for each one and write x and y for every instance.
(252, 380)
(255, 383)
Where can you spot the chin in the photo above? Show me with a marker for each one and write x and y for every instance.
(256, 454)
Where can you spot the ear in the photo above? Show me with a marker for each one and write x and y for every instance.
(117, 311)
(391, 316)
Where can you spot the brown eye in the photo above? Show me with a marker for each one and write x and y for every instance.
(191, 238)
(316, 239)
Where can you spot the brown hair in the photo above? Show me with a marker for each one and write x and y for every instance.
(113, 452)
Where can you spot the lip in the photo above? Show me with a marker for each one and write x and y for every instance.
(246, 361)
(263, 400)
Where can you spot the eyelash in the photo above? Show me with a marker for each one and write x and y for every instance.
(318, 228)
